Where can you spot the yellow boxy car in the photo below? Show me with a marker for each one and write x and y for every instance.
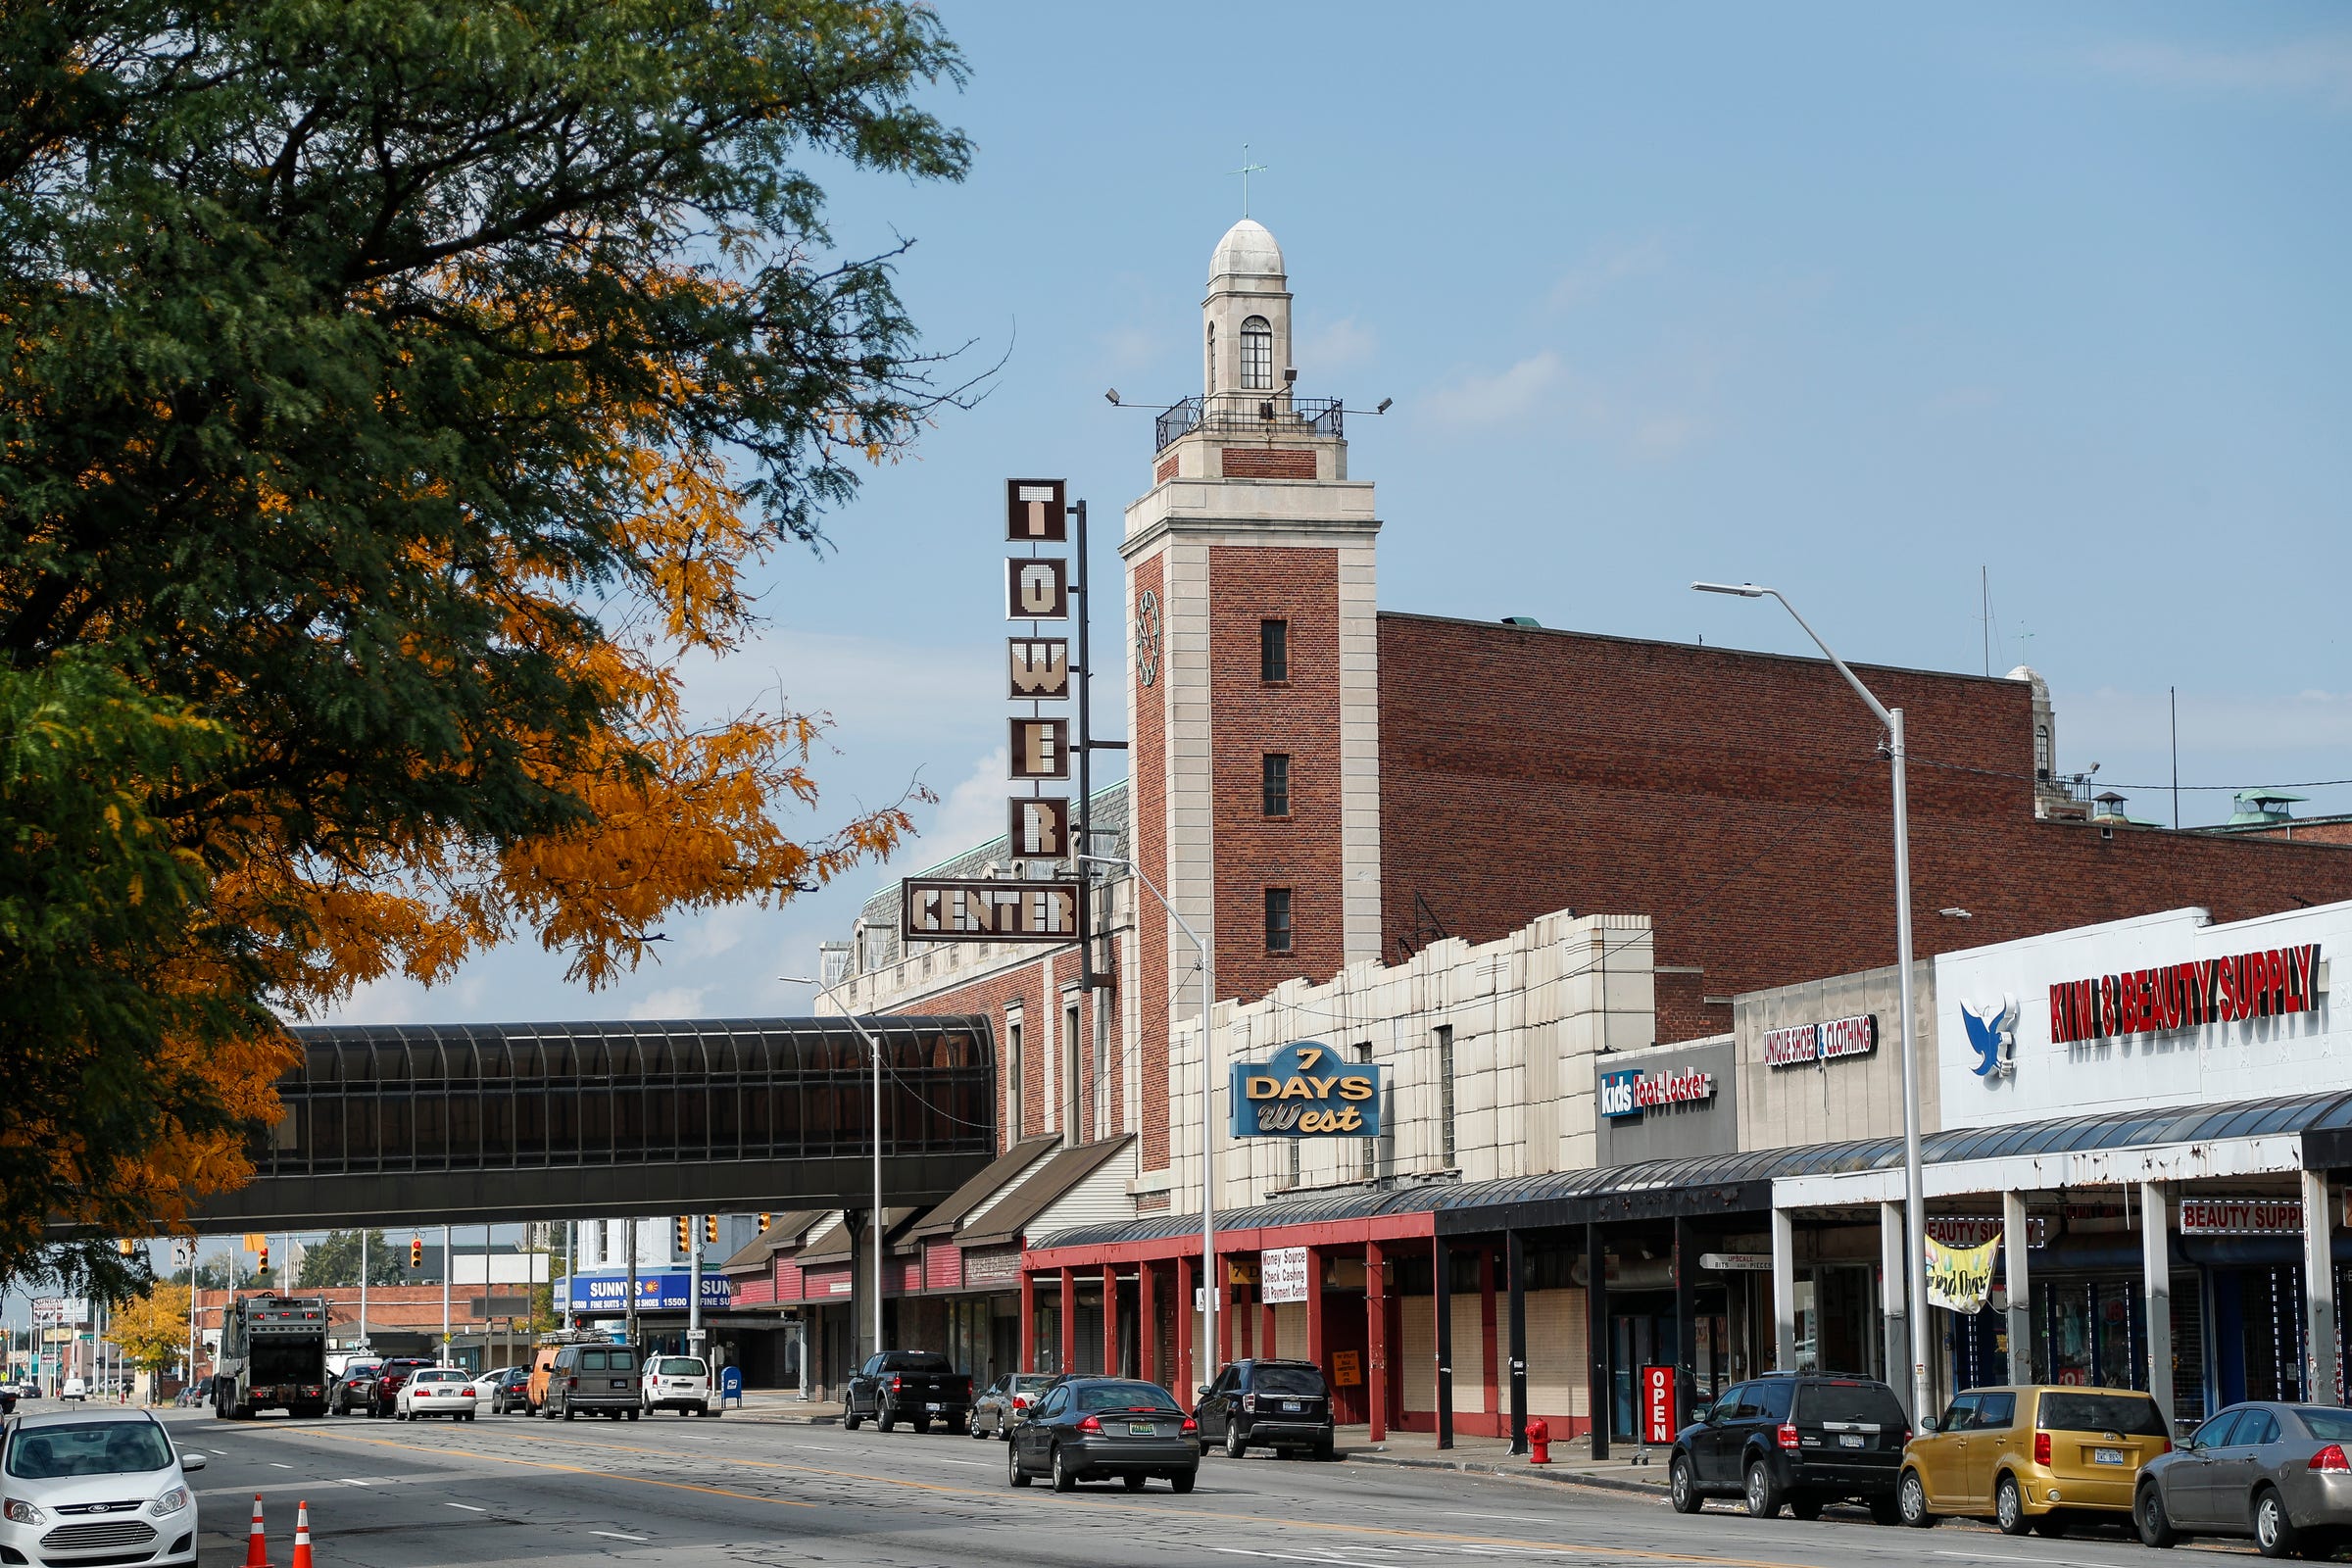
(2032, 1458)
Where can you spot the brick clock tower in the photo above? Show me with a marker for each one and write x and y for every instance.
(1252, 675)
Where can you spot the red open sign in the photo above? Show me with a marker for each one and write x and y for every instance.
(1657, 1404)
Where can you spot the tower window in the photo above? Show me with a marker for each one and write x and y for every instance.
(1212, 356)
(1273, 650)
(1275, 777)
(1278, 919)
(1016, 1080)
(1445, 1149)
(1258, 355)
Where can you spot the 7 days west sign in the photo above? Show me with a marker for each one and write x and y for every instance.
(1307, 1090)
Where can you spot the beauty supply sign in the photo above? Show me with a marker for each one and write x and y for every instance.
(2159, 1011)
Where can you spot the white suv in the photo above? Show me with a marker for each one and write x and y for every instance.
(680, 1383)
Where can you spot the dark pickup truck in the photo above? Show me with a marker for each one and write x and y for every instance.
(918, 1387)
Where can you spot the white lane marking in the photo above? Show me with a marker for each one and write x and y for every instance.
(615, 1535)
(2046, 1562)
(1288, 1556)
(277, 1465)
(348, 1481)
(222, 1452)
(468, 1507)
(974, 1463)
(1521, 1518)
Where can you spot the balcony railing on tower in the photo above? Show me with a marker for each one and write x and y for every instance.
(1264, 417)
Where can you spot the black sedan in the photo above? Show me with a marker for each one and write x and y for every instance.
(354, 1388)
(1086, 1429)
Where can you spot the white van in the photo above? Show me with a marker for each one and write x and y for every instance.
(680, 1383)
(74, 1389)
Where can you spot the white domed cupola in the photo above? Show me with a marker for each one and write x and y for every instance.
(1246, 321)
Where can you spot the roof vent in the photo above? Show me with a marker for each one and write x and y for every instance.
(1522, 621)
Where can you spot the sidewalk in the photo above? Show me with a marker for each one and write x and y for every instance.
(785, 1407)
(1572, 1463)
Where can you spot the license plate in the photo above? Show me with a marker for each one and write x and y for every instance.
(1142, 1429)
(1849, 1440)
(1292, 1405)
(933, 1407)
(2106, 1456)
(617, 1383)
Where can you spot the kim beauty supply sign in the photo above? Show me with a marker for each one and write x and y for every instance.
(1306, 1090)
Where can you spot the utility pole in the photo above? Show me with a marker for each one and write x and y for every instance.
(364, 1286)
(445, 1272)
(628, 1231)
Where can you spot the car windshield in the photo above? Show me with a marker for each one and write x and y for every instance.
(916, 1361)
(1288, 1380)
(679, 1366)
(1848, 1404)
(93, 1449)
(2326, 1425)
(1127, 1397)
(2134, 1415)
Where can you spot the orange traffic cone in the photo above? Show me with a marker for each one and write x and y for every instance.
(302, 1535)
(257, 1543)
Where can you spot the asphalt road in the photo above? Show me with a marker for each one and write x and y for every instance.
(511, 1491)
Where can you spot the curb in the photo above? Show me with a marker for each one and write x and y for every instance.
(1518, 1472)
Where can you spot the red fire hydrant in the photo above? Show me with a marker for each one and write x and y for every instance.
(1538, 1442)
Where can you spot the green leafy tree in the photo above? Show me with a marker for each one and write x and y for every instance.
(394, 392)
(335, 1261)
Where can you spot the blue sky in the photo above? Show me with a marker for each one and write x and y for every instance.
(1851, 301)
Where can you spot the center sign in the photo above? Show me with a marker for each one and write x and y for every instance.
(1307, 1090)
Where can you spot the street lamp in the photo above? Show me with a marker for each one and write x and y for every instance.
(1916, 1205)
(1205, 1353)
(873, 1049)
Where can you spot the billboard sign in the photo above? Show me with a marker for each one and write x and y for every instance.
(1305, 1090)
(656, 1293)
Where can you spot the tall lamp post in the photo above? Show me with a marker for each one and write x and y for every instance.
(1915, 1285)
(873, 1049)
(1205, 1355)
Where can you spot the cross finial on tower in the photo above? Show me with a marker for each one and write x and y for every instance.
(1246, 171)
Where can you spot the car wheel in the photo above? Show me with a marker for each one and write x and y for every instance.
(1882, 1511)
(1235, 1447)
(2275, 1534)
(1064, 1478)
(974, 1432)
(884, 1420)
(1325, 1449)
(2050, 1526)
(568, 1411)
(849, 1420)
(1807, 1509)
(1133, 1482)
(634, 1414)
(921, 1424)
(2009, 1507)
(1683, 1487)
(1013, 1473)
(1183, 1480)
(959, 1425)
(1763, 1494)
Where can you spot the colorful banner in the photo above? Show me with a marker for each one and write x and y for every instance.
(1960, 1278)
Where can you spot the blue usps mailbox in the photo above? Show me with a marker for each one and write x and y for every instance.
(730, 1387)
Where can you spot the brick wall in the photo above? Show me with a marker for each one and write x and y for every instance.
(1299, 718)
(1736, 797)
(1035, 986)
(1147, 813)
(1265, 462)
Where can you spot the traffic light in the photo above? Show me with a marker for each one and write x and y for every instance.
(416, 1251)
(709, 1227)
(764, 1224)
(260, 1263)
(685, 1233)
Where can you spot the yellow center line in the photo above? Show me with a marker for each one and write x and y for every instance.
(1385, 1532)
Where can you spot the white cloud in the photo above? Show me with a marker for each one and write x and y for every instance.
(1337, 345)
(673, 1001)
(1504, 397)
(1603, 270)
(892, 689)
(2309, 68)
(972, 814)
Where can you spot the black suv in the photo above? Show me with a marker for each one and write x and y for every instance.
(1799, 1438)
(1269, 1405)
(384, 1397)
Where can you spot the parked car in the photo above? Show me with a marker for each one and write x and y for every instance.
(71, 1474)
(74, 1389)
(1084, 1428)
(1006, 1403)
(2276, 1472)
(1267, 1404)
(680, 1383)
(1799, 1439)
(390, 1376)
(444, 1390)
(2032, 1458)
(595, 1379)
(506, 1391)
(918, 1387)
(353, 1388)
(8, 1399)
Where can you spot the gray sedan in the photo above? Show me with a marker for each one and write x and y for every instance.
(2276, 1472)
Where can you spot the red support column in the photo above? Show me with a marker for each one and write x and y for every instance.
(1069, 1323)
(1028, 1321)
(1226, 1309)
(1181, 1377)
(1147, 1319)
(1110, 1322)
(1486, 1321)
(1265, 1317)
(1314, 1308)
(1376, 1337)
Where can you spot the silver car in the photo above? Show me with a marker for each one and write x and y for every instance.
(96, 1487)
(2279, 1473)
